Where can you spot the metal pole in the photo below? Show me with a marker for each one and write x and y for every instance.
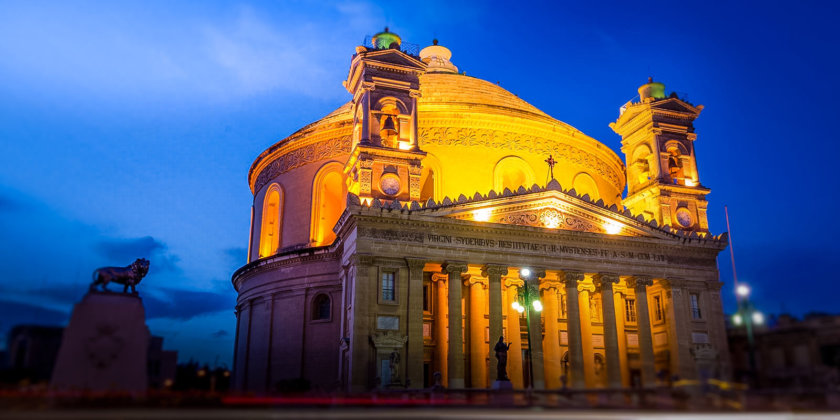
(528, 331)
(731, 249)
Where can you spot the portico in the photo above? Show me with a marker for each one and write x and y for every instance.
(609, 317)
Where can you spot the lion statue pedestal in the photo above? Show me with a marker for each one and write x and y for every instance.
(105, 346)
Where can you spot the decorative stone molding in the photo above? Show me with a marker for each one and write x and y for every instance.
(415, 263)
(550, 284)
(513, 282)
(314, 152)
(439, 277)
(471, 279)
(388, 340)
(512, 141)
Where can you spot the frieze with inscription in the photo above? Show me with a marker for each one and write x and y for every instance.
(507, 245)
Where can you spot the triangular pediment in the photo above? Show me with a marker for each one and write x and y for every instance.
(551, 209)
(392, 57)
(675, 105)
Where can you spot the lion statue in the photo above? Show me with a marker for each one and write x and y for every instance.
(126, 276)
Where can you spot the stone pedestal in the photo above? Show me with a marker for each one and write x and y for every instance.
(105, 346)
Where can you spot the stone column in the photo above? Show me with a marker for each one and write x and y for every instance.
(679, 330)
(573, 318)
(494, 275)
(535, 327)
(551, 346)
(640, 284)
(514, 367)
(441, 322)
(605, 282)
(414, 324)
(622, 336)
(478, 346)
(585, 291)
(365, 289)
(456, 339)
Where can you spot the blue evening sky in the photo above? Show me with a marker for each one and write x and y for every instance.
(127, 129)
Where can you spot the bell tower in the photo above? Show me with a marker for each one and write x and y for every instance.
(385, 83)
(657, 139)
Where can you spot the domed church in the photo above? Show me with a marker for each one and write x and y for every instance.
(395, 241)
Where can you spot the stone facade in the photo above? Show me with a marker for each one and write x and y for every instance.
(447, 212)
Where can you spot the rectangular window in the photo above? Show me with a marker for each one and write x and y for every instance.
(695, 306)
(630, 310)
(388, 294)
(657, 308)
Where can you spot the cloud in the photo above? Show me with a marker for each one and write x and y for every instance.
(220, 334)
(237, 256)
(124, 251)
(183, 305)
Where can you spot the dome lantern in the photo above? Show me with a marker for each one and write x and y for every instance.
(651, 89)
(385, 40)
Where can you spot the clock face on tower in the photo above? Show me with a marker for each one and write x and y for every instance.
(684, 217)
(390, 184)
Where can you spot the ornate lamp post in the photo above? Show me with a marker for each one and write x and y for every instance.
(528, 295)
(748, 316)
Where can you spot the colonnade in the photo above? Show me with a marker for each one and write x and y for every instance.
(490, 292)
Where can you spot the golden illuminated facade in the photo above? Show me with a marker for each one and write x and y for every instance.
(429, 194)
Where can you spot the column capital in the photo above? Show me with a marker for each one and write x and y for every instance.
(490, 270)
(640, 282)
(415, 263)
(441, 277)
(536, 274)
(672, 283)
(605, 281)
(551, 284)
(586, 287)
(472, 279)
(455, 267)
(571, 278)
(511, 282)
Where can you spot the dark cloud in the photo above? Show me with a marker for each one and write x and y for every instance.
(124, 251)
(237, 256)
(129, 249)
(186, 304)
(17, 313)
(220, 334)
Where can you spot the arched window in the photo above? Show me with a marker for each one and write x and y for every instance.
(512, 172)
(271, 221)
(640, 165)
(321, 307)
(328, 201)
(584, 184)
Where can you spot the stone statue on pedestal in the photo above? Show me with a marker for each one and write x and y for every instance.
(126, 276)
(394, 365)
(501, 350)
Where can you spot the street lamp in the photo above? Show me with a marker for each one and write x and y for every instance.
(749, 317)
(528, 295)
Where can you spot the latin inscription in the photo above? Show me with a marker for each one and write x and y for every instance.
(509, 245)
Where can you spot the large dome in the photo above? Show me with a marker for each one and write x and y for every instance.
(477, 137)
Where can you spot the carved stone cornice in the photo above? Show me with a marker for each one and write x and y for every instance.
(362, 259)
(672, 283)
(455, 267)
(571, 278)
(494, 270)
(639, 283)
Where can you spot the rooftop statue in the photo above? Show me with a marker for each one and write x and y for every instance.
(127, 276)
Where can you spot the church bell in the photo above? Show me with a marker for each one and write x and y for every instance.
(388, 128)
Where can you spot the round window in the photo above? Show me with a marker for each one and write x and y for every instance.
(684, 217)
(390, 184)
